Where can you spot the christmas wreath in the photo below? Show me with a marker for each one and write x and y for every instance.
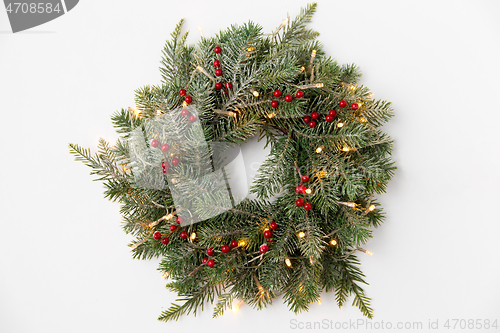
(314, 205)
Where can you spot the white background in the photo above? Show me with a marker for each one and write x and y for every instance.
(64, 263)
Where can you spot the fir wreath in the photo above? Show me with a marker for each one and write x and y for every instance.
(328, 159)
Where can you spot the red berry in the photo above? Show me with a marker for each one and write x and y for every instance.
(288, 98)
(271, 241)
(225, 248)
(182, 92)
(234, 243)
(307, 206)
(297, 189)
(218, 86)
(154, 143)
(184, 112)
(299, 94)
(312, 124)
(274, 104)
(165, 148)
(274, 225)
(191, 119)
(188, 99)
(217, 49)
(263, 248)
(268, 234)
(175, 161)
(306, 119)
(165, 165)
(165, 240)
(157, 235)
(302, 189)
(342, 104)
(216, 63)
(165, 171)
(354, 106)
(210, 251)
(332, 113)
(218, 72)
(179, 220)
(314, 115)
(224, 92)
(277, 93)
(305, 178)
(211, 263)
(184, 235)
(299, 202)
(173, 227)
(329, 118)
(204, 260)
(229, 85)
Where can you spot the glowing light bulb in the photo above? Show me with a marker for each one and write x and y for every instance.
(184, 103)
(136, 112)
(319, 301)
(369, 252)
(311, 261)
(255, 93)
(340, 125)
(301, 234)
(308, 191)
(370, 95)
(319, 85)
(371, 208)
(158, 112)
(171, 154)
(272, 115)
(242, 243)
(319, 150)
(193, 236)
(165, 275)
(200, 30)
(333, 242)
(313, 53)
(345, 148)
(288, 262)
(302, 68)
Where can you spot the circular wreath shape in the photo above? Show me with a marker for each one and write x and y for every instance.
(314, 204)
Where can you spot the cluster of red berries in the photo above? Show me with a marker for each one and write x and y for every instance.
(164, 148)
(268, 234)
(225, 249)
(302, 189)
(188, 99)
(165, 238)
(218, 72)
(288, 98)
(311, 120)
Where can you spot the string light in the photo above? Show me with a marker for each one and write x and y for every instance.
(242, 242)
(322, 174)
(288, 262)
(371, 208)
(165, 275)
(333, 242)
(200, 30)
(308, 191)
(312, 85)
(272, 115)
(365, 251)
(319, 300)
(319, 149)
(236, 306)
(281, 26)
(184, 104)
(302, 68)
(193, 236)
(313, 55)
(362, 119)
(370, 95)
(159, 112)
(136, 112)
(345, 148)
(301, 234)
(311, 261)
(255, 93)
(340, 125)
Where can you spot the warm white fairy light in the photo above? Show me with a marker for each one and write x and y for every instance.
(159, 112)
(165, 275)
(193, 236)
(184, 104)
(200, 30)
(285, 21)
(340, 125)
(255, 93)
(371, 208)
(370, 95)
(333, 242)
(308, 191)
(236, 306)
(312, 261)
(302, 68)
(346, 149)
(319, 149)
(319, 300)
(288, 262)
(365, 251)
(242, 242)
(271, 115)
(136, 112)
(313, 55)
(312, 85)
(301, 234)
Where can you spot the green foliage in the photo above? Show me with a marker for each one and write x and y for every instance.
(352, 165)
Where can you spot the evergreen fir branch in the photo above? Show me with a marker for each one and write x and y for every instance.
(224, 301)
